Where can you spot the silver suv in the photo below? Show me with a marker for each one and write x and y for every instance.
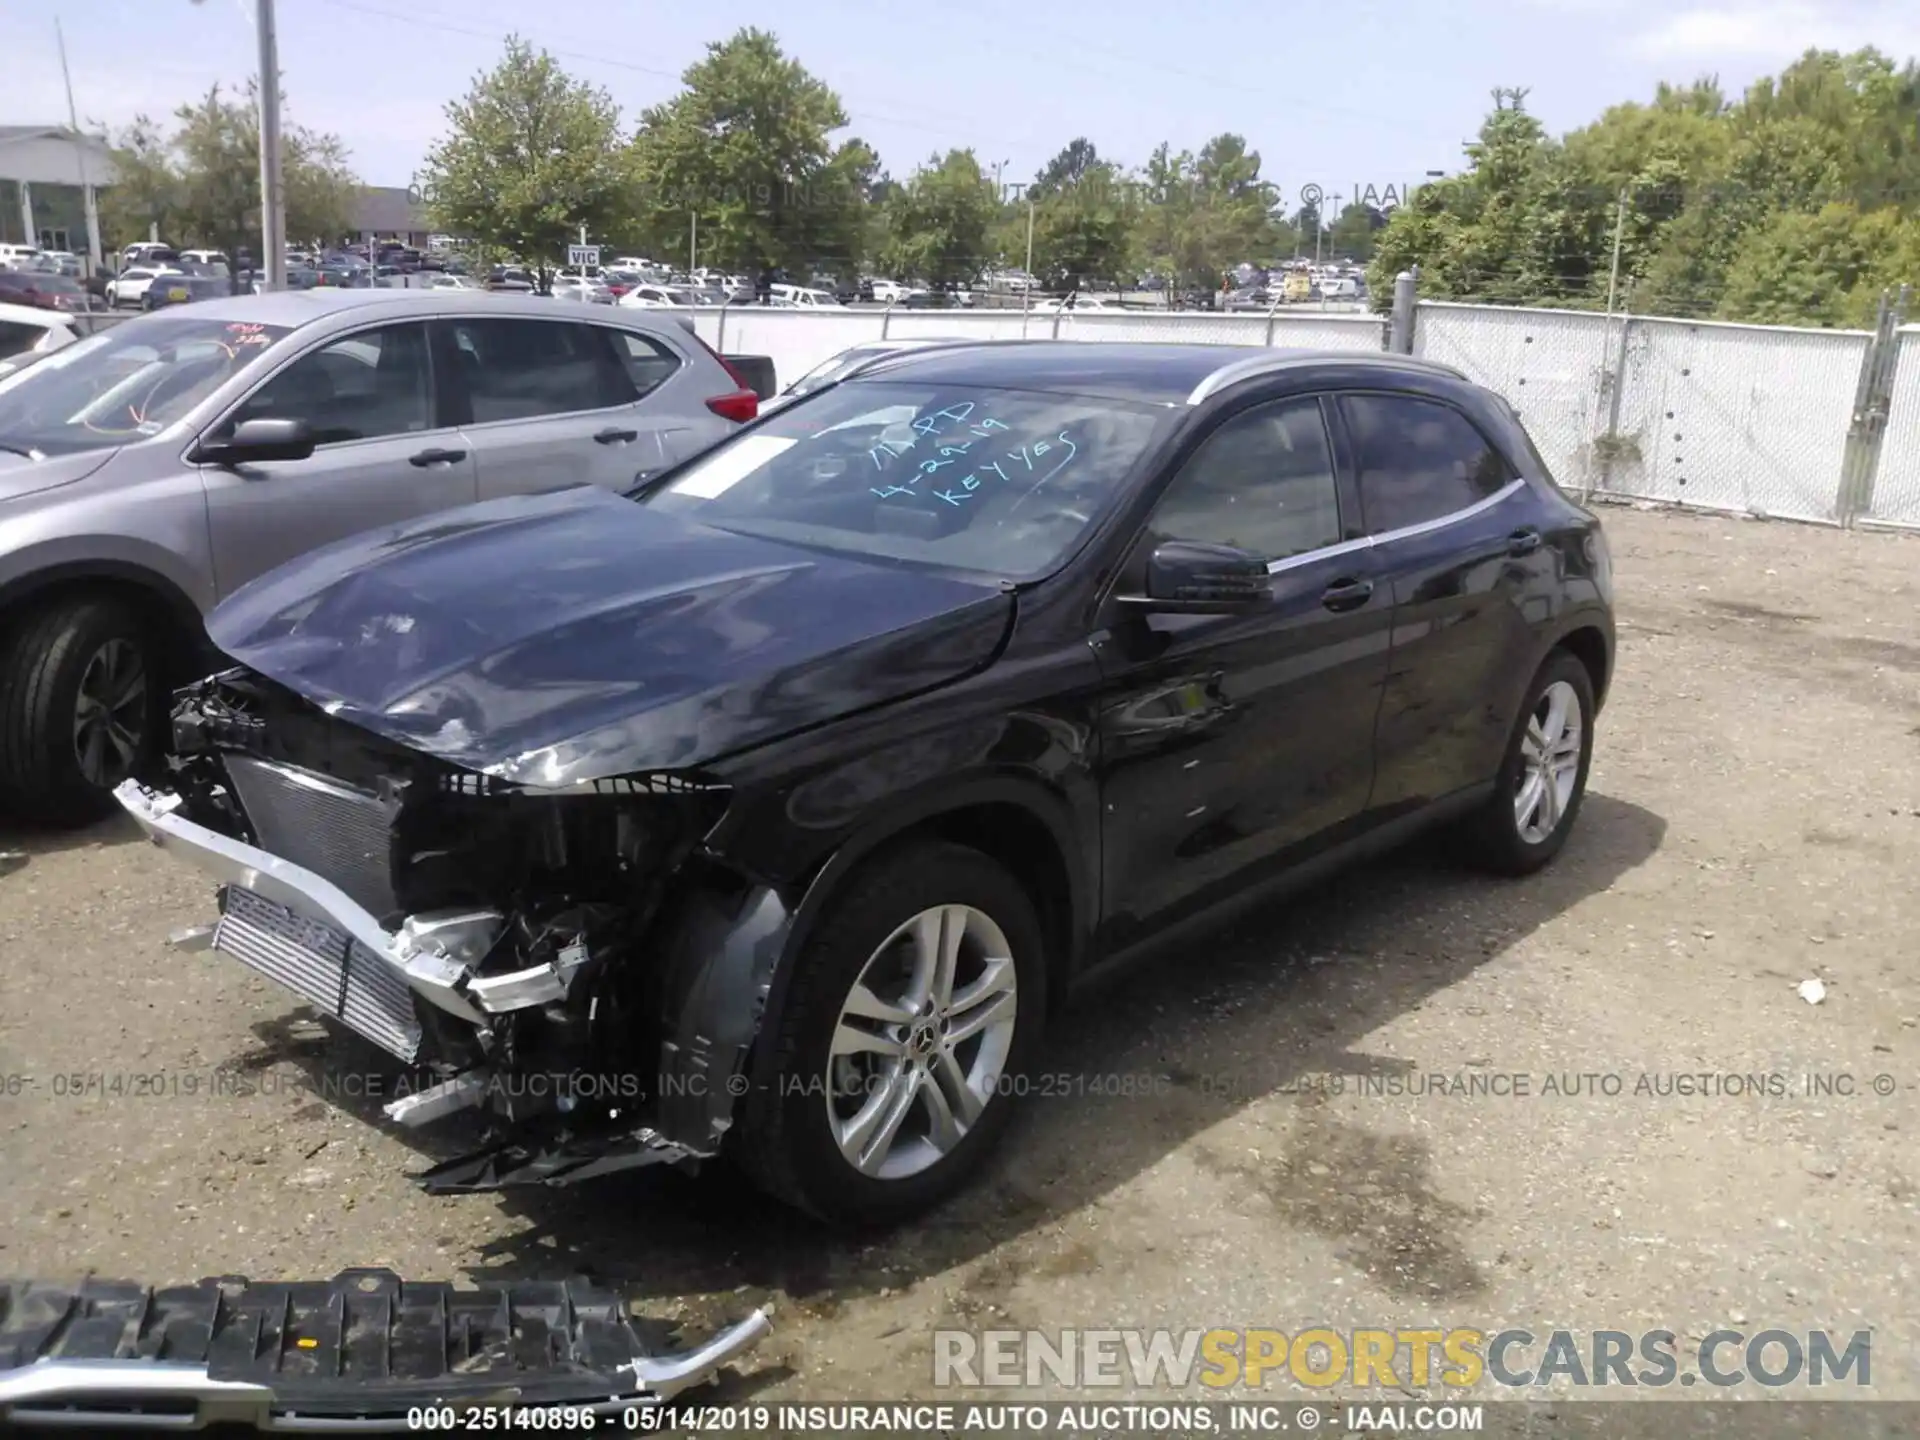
(149, 471)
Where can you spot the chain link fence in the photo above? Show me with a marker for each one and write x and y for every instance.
(1894, 498)
(1768, 421)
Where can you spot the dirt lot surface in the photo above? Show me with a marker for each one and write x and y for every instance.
(1753, 823)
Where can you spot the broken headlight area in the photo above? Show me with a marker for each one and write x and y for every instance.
(497, 938)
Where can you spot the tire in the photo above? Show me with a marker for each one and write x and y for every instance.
(786, 1140)
(45, 657)
(1497, 838)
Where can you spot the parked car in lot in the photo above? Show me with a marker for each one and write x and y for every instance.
(806, 297)
(790, 798)
(45, 290)
(129, 287)
(149, 470)
(184, 289)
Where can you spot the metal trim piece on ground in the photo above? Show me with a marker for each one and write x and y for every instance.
(355, 1353)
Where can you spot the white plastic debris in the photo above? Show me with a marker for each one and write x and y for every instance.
(1812, 991)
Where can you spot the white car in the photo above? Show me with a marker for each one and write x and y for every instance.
(440, 281)
(205, 257)
(27, 332)
(1076, 305)
(581, 288)
(892, 292)
(656, 297)
(129, 287)
(806, 297)
(18, 257)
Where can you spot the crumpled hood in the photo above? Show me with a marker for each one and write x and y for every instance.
(21, 476)
(575, 636)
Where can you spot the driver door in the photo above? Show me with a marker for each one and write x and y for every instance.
(1233, 745)
(383, 456)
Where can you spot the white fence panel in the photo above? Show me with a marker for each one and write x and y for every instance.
(1745, 418)
(1896, 488)
(796, 340)
(1550, 365)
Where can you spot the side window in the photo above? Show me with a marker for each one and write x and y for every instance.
(524, 369)
(1419, 460)
(1263, 482)
(648, 363)
(363, 386)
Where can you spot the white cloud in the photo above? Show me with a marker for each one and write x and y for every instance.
(1778, 32)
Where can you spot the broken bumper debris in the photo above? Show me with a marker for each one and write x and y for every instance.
(363, 1352)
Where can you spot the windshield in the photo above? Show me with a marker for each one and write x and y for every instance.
(125, 384)
(1006, 482)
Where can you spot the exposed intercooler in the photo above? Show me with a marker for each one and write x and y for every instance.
(322, 965)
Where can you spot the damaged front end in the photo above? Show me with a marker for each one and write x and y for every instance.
(503, 940)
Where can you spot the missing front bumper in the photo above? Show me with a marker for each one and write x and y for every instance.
(357, 1352)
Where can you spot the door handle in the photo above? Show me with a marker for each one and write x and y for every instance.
(437, 457)
(616, 437)
(1347, 594)
(1523, 542)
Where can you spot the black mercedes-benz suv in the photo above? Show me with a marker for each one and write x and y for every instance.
(774, 808)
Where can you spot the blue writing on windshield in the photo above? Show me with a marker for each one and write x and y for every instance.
(987, 426)
(994, 466)
(953, 414)
(927, 467)
(893, 490)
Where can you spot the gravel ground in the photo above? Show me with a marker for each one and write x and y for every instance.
(1753, 822)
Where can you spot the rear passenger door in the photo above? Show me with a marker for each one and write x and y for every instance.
(552, 404)
(385, 453)
(1448, 516)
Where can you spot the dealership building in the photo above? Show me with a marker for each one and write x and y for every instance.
(50, 179)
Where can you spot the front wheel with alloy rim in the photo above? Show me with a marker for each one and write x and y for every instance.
(910, 1013)
(80, 708)
(1543, 778)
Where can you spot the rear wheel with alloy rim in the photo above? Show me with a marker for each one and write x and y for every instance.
(1543, 778)
(910, 1011)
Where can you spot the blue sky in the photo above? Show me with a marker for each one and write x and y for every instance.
(1361, 93)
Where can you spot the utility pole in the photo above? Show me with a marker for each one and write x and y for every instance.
(693, 242)
(1026, 289)
(273, 200)
(87, 198)
(1619, 229)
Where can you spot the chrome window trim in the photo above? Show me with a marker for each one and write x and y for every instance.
(1406, 532)
(1272, 362)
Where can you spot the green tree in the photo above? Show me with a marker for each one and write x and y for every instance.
(1084, 215)
(530, 156)
(1825, 268)
(199, 181)
(1071, 165)
(746, 148)
(1351, 235)
(940, 223)
(1204, 213)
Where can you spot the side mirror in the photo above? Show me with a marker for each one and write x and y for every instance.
(254, 441)
(1193, 577)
